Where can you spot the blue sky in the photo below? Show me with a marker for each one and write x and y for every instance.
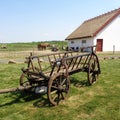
(43, 20)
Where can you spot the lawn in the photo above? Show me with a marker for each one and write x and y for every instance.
(100, 101)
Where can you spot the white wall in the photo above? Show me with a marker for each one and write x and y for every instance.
(110, 36)
(78, 43)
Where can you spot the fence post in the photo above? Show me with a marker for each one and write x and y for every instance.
(113, 49)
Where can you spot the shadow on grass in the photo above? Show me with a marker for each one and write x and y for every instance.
(36, 99)
(23, 97)
(79, 83)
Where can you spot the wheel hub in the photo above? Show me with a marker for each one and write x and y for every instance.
(60, 88)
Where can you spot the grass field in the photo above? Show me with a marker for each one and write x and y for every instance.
(18, 51)
(100, 101)
(29, 46)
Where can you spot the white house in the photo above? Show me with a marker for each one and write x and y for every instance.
(103, 31)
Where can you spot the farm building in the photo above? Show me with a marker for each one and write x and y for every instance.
(103, 31)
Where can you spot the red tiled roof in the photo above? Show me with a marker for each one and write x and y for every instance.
(91, 27)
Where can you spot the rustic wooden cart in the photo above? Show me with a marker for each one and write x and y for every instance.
(50, 73)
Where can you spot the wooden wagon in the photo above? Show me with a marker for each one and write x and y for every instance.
(49, 74)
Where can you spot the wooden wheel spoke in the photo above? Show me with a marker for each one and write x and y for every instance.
(65, 88)
(62, 95)
(57, 82)
(58, 99)
(60, 81)
(54, 98)
(63, 82)
(53, 92)
(54, 87)
(95, 77)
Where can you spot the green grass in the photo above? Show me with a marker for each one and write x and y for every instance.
(100, 101)
(29, 46)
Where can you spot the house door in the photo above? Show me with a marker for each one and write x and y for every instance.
(99, 45)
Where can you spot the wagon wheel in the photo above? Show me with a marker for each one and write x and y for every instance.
(58, 88)
(24, 80)
(93, 70)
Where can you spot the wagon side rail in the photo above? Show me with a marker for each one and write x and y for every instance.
(44, 63)
(74, 64)
(88, 63)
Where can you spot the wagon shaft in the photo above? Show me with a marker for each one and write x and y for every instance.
(20, 88)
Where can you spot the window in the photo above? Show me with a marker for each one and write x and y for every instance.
(72, 42)
(83, 41)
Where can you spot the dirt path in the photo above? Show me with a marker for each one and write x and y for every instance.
(19, 56)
